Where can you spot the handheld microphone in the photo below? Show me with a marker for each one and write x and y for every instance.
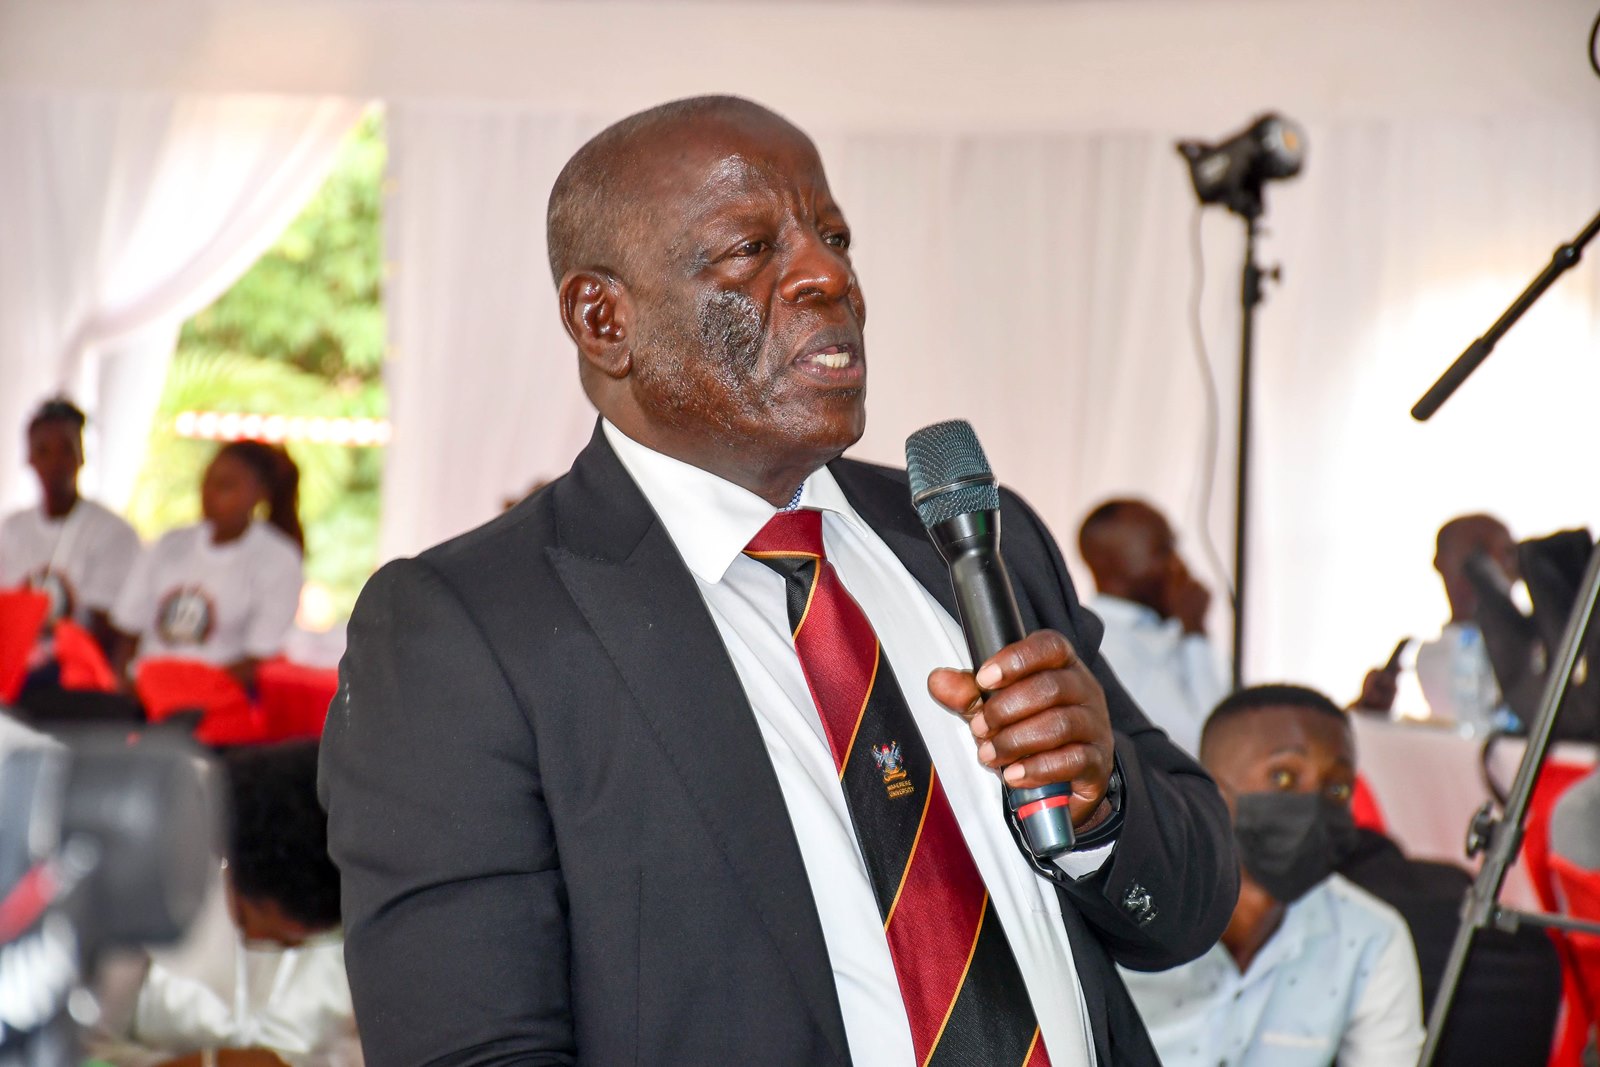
(958, 499)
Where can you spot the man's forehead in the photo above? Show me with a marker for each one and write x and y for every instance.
(1259, 733)
(732, 162)
(1473, 533)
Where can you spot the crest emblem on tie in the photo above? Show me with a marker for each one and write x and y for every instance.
(892, 766)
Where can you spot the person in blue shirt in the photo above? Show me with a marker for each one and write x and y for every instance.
(1311, 969)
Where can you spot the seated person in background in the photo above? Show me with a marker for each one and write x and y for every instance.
(1312, 969)
(224, 590)
(74, 550)
(1155, 613)
(269, 990)
(1457, 679)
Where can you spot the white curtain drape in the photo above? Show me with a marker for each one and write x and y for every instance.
(474, 341)
(120, 217)
(1040, 286)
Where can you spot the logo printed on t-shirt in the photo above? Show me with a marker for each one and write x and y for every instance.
(54, 585)
(186, 616)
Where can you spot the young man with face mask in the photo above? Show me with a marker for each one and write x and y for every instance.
(1311, 969)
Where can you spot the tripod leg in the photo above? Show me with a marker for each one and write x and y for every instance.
(1481, 906)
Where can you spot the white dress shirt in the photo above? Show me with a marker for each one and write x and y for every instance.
(1337, 982)
(1171, 675)
(213, 991)
(711, 521)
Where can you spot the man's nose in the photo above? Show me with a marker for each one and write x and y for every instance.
(817, 271)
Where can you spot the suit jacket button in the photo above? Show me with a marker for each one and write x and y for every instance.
(1137, 903)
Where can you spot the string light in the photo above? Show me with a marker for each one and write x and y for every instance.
(276, 429)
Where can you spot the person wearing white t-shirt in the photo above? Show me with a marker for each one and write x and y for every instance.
(75, 551)
(224, 590)
(1154, 611)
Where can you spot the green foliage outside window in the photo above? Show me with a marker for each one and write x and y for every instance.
(301, 333)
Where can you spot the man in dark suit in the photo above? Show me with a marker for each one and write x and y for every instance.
(668, 764)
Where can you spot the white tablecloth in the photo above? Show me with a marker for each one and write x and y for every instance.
(1428, 782)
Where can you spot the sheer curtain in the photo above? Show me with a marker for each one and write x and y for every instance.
(120, 217)
(1041, 286)
(483, 382)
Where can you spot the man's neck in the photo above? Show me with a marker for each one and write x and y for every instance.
(1256, 917)
(59, 505)
(1126, 595)
(773, 480)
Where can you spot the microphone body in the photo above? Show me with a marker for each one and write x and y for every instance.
(962, 515)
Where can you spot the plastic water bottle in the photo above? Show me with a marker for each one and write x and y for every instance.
(1472, 686)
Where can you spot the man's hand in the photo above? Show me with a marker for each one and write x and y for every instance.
(1043, 721)
(1378, 689)
(1187, 600)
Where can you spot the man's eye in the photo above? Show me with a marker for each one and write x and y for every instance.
(751, 248)
(838, 240)
(1341, 792)
(1283, 780)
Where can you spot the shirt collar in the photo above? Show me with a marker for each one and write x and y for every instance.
(709, 518)
(1307, 919)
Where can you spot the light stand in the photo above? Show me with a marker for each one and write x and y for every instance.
(1232, 173)
(1250, 297)
(1500, 839)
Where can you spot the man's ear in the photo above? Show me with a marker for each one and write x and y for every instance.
(596, 310)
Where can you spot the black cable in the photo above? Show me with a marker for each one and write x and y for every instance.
(1594, 60)
(1211, 434)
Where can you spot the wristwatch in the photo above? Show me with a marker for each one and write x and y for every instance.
(1108, 827)
(1102, 834)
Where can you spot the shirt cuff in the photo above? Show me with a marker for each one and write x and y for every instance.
(1089, 861)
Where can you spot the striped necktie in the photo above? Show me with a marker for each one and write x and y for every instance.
(964, 996)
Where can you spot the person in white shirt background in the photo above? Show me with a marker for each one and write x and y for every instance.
(224, 590)
(1311, 970)
(259, 980)
(1155, 616)
(72, 549)
(1453, 669)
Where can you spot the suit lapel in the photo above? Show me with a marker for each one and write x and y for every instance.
(626, 576)
(891, 516)
(886, 506)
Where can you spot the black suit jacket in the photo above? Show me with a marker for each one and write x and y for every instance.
(562, 841)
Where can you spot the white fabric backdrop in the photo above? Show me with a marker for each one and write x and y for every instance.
(120, 217)
(1039, 286)
(1008, 168)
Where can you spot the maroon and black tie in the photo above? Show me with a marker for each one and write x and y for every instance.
(964, 996)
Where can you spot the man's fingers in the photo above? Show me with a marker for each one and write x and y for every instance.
(1085, 766)
(1047, 689)
(1043, 650)
(1053, 728)
(955, 690)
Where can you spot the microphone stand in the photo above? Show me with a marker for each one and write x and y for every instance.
(1566, 257)
(1499, 840)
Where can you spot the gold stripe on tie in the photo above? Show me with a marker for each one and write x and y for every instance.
(957, 995)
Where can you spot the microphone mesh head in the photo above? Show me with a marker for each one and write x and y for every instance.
(945, 454)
